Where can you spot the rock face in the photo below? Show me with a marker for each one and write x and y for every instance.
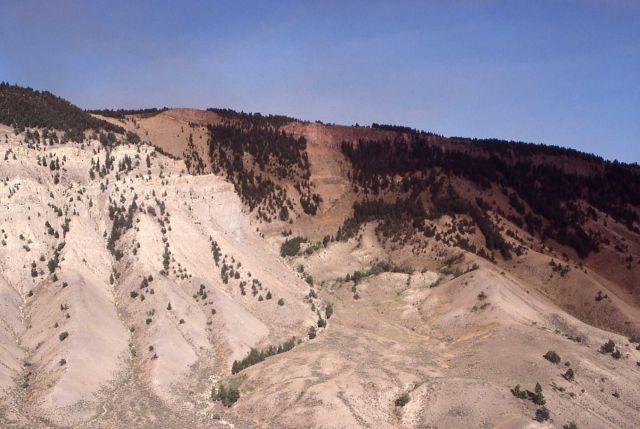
(132, 278)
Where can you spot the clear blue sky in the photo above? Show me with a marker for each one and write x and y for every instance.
(558, 72)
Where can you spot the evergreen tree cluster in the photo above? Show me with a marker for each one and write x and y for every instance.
(123, 113)
(256, 356)
(553, 195)
(393, 216)
(254, 119)
(23, 107)
(122, 221)
(226, 394)
(254, 156)
(378, 267)
(291, 246)
(397, 129)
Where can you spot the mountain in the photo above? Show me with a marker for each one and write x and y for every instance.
(213, 268)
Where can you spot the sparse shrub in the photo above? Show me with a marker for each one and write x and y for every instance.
(309, 279)
(600, 296)
(570, 425)
(328, 311)
(53, 263)
(616, 354)
(281, 302)
(552, 356)
(62, 362)
(569, 375)
(536, 396)
(228, 395)
(402, 400)
(312, 332)
(482, 296)
(542, 414)
(63, 335)
(520, 394)
(608, 347)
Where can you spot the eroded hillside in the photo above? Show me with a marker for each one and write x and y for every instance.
(130, 270)
(184, 268)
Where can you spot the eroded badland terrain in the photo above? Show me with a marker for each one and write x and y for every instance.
(185, 268)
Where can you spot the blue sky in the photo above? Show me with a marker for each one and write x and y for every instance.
(558, 72)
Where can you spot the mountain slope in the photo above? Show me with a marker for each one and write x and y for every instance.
(109, 309)
(423, 277)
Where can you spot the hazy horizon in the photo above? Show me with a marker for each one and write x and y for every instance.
(559, 74)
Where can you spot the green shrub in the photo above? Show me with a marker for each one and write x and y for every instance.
(402, 400)
(328, 311)
(542, 414)
(608, 347)
(552, 356)
(569, 375)
(228, 395)
(291, 246)
(536, 396)
(34, 271)
(520, 394)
